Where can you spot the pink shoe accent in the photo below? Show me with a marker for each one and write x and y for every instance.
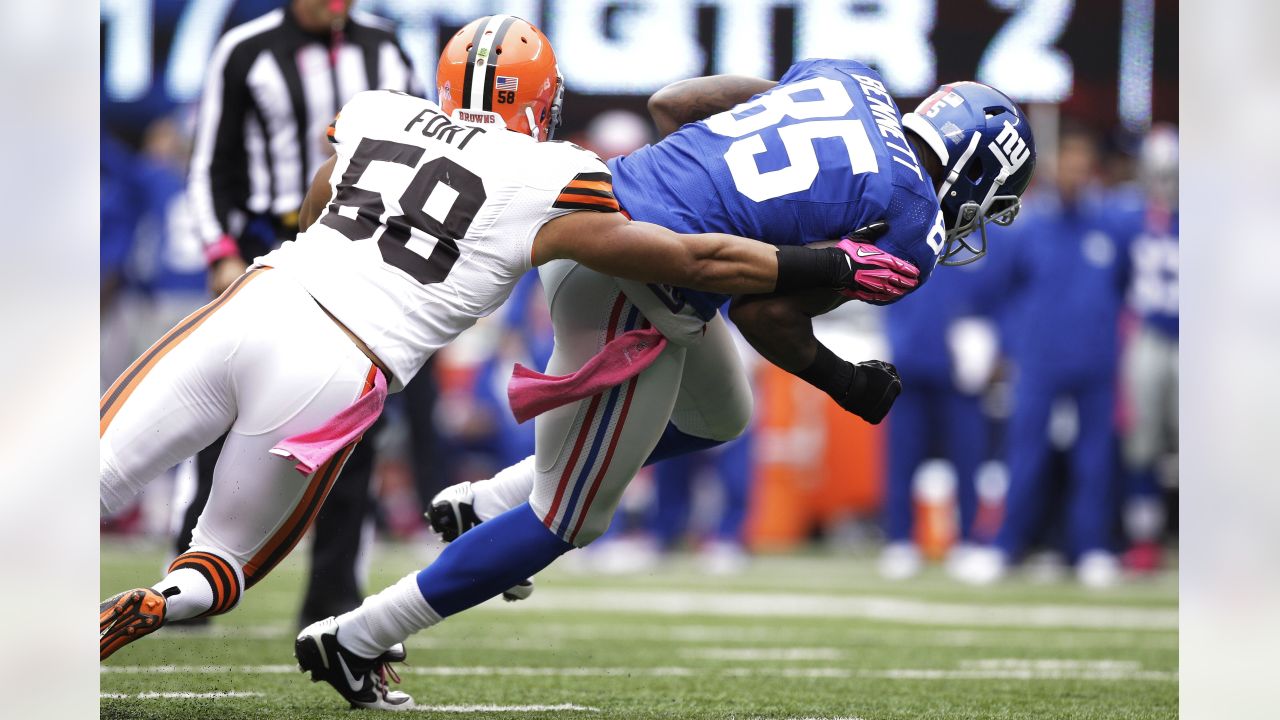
(532, 393)
(314, 448)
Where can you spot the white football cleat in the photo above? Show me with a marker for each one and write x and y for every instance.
(723, 557)
(1098, 569)
(899, 561)
(982, 566)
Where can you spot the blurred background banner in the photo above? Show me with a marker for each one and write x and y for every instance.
(1107, 62)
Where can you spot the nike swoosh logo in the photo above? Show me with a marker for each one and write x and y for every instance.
(356, 685)
(864, 252)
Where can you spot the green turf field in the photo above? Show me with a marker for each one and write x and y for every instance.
(811, 636)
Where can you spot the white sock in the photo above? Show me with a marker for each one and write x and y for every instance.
(194, 595)
(509, 488)
(386, 619)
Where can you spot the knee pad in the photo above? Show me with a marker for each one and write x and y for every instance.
(225, 578)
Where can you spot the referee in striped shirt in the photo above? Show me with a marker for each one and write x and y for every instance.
(273, 86)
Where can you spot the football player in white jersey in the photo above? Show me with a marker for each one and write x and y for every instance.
(588, 449)
(418, 226)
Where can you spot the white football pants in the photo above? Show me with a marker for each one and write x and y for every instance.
(264, 361)
(587, 452)
(1150, 368)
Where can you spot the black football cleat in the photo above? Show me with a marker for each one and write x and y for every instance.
(361, 681)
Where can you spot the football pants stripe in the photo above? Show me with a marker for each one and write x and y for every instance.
(304, 513)
(602, 434)
(124, 386)
(585, 432)
(608, 457)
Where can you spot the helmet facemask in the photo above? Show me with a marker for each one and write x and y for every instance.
(1001, 210)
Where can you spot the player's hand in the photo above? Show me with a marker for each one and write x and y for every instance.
(878, 277)
(874, 388)
(224, 271)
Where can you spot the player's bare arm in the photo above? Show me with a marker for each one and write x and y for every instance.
(780, 328)
(687, 101)
(317, 195)
(611, 244)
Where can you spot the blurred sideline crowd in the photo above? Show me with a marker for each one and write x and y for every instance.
(1037, 424)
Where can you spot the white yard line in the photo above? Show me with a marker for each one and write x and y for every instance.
(503, 708)
(552, 637)
(179, 695)
(930, 674)
(890, 609)
(991, 669)
(747, 654)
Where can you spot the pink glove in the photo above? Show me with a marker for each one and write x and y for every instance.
(878, 278)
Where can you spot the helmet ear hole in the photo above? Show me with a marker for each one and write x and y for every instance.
(974, 171)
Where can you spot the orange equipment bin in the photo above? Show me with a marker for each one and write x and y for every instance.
(815, 463)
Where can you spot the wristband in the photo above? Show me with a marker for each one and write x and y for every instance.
(801, 268)
(225, 246)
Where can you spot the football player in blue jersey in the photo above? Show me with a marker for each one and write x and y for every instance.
(1066, 273)
(822, 155)
(1149, 363)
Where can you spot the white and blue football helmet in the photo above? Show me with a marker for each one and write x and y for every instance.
(987, 152)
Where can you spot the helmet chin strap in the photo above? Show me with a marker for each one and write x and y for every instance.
(959, 166)
(533, 126)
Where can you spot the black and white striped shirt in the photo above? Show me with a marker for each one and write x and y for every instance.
(271, 91)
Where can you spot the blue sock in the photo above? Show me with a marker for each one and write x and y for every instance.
(488, 559)
(673, 443)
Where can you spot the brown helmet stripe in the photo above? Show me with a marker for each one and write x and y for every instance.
(491, 67)
(471, 62)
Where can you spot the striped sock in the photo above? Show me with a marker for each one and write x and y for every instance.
(200, 582)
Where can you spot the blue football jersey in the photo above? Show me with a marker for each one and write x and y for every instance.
(814, 158)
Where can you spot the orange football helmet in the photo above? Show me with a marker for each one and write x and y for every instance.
(501, 70)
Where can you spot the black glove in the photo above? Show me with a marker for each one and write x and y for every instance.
(874, 388)
(866, 389)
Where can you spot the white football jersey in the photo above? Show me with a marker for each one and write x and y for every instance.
(431, 222)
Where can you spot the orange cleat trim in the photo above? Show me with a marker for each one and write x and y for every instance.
(127, 617)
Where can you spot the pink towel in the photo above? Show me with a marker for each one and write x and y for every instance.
(314, 448)
(532, 393)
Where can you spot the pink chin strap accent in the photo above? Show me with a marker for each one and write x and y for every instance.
(880, 277)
